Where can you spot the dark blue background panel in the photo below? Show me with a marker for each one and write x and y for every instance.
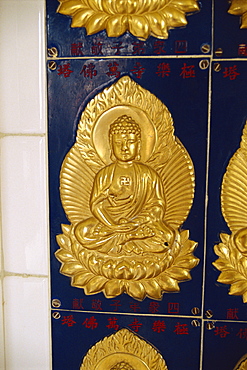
(75, 333)
(73, 42)
(229, 113)
(186, 96)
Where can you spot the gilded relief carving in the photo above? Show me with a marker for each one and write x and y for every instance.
(242, 364)
(233, 249)
(123, 350)
(239, 7)
(141, 18)
(126, 186)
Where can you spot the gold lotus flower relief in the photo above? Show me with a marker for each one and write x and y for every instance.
(123, 350)
(126, 186)
(239, 7)
(142, 18)
(232, 251)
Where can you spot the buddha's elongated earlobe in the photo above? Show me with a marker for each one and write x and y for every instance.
(138, 157)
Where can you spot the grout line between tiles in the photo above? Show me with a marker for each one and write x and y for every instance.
(2, 276)
(45, 86)
(206, 190)
(24, 275)
(2, 135)
(102, 57)
(129, 313)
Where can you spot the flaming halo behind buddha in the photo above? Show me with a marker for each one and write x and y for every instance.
(126, 186)
(123, 350)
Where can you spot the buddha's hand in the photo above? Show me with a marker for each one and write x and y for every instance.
(126, 226)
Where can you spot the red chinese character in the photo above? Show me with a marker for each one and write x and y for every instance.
(112, 323)
(138, 70)
(153, 307)
(159, 47)
(159, 326)
(96, 304)
(117, 47)
(76, 49)
(181, 329)
(221, 331)
(89, 70)
(163, 69)
(188, 71)
(138, 48)
(113, 69)
(116, 303)
(231, 72)
(181, 46)
(135, 325)
(77, 304)
(68, 320)
(90, 323)
(97, 48)
(64, 70)
(173, 307)
(242, 334)
(232, 313)
(135, 307)
(242, 49)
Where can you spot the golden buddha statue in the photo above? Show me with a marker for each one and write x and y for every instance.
(127, 200)
(126, 186)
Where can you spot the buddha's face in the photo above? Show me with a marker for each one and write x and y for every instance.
(125, 146)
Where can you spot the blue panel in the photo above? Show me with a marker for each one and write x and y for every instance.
(224, 345)
(175, 338)
(62, 36)
(229, 113)
(227, 33)
(67, 99)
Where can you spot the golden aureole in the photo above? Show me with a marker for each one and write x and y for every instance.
(233, 249)
(142, 18)
(123, 350)
(126, 186)
(239, 7)
(242, 364)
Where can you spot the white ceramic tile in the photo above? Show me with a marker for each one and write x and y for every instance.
(24, 219)
(26, 323)
(2, 365)
(22, 66)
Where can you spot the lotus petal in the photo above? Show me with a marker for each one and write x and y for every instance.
(238, 288)
(244, 20)
(116, 25)
(153, 289)
(238, 7)
(81, 279)
(71, 268)
(95, 285)
(186, 5)
(136, 290)
(175, 17)
(113, 288)
(96, 23)
(168, 284)
(229, 277)
(70, 7)
(157, 24)
(139, 26)
(81, 17)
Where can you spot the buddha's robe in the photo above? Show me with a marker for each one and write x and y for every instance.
(128, 206)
